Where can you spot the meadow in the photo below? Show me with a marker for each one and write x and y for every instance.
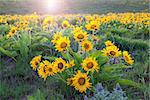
(83, 54)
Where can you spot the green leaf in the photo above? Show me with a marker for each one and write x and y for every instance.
(49, 57)
(31, 98)
(22, 44)
(115, 67)
(96, 54)
(37, 96)
(8, 53)
(77, 58)
(4, 29)
(130, 83)
(100, 58)
(102, 77)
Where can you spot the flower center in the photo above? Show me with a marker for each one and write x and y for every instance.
(81, 81)
(60, 65)
(65, 25)
(44, 69)
(13, 31)
(90, 65)
(50, 69)
(93, 26)
(86, 46)
(107, 54)
(49, 22)
(57, 37)
(112, 53)
(80, 36)
(36, 63)
(126, 58)
(63, 45)
(21, 23)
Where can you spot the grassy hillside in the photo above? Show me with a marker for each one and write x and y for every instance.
(73, 6)
(19, 82)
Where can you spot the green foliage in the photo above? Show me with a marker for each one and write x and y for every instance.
(138, 47)
(140, 74)
(8, 53)
(134, 33)
(37, 96)
(128, 44)
(22, 44)
(13, 91)
(4, 90)
(99, 56)
(129, 83)
(4, 29)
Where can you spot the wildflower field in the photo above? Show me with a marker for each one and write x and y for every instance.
(74, 56)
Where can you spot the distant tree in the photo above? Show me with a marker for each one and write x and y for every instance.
(126, 2)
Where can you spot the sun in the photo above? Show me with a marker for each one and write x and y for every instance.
(52, 5)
